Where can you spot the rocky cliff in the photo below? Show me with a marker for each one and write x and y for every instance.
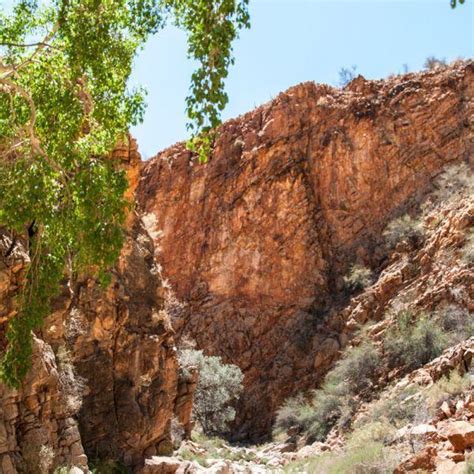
(105, 379)
(247, 256)
(392, 401)
(255, 243)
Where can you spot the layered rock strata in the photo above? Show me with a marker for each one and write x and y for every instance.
(255, 243)
(104, 381)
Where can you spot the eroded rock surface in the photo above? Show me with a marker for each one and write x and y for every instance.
(105, 373)
(256, 242)
(121, 346)
(38, 425)
(254, 245)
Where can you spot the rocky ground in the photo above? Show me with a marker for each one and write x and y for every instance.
(443, 444)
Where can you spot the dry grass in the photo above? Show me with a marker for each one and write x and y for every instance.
(358, 278)
(446, 388)
(404, 229)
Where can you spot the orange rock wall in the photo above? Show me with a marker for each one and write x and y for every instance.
(104, 378)
(257, 241)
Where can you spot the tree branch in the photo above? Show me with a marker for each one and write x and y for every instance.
(8, 71)
(30, 45)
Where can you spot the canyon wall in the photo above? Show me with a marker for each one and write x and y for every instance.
(253, 247)
(256, 242)
(105, 381)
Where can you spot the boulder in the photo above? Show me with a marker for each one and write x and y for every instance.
(424, 460)
(162, 465)
(220, 467)
(450, 467)
(311, 450)
(460, 434)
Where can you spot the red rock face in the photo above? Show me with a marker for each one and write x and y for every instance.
(256, 242)
(104, 379)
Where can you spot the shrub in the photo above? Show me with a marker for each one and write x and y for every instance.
(313, 418)
(295, 412)
(334, 402)
(455, 180)
(398, 410)
(413, 344)
(356, 371)
(374, 432)
(404, 229)
(457, 322)
(358, 278)
(327, 409)
(446, 388)
(372, 458)
(414, 404)
(218, 387)
(346, 75)
(432, 63)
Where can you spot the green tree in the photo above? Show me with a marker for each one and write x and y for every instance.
(64, 104)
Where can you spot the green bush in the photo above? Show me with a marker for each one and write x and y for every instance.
(295, 412)
(358, 278)
(219, 386)
(404, 229)
(334, 403)
(457, 322)
(313, 418)
(411, 344)
(328, 408)
(357, 370)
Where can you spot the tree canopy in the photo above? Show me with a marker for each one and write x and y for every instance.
(64, 104)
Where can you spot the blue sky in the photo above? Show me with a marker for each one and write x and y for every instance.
(292, 41)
